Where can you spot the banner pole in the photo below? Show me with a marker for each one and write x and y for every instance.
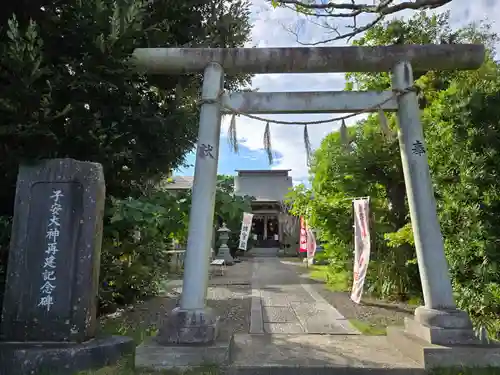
(306, 227)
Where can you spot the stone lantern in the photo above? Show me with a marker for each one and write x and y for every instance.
(224, 252)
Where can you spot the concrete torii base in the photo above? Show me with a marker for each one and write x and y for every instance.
(463, 350)
(151, 355)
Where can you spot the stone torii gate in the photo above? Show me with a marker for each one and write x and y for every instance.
(438, 321)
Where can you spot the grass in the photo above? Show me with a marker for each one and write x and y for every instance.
(369, 329)
(124, 327)
(334, 282)
(318, 273)
(415, 301)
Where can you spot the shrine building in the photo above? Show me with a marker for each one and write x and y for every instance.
(271, 227)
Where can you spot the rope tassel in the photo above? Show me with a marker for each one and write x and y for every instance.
(267, 143)
(384, 124)
(231, 134)
(307, 145)
(344, 137)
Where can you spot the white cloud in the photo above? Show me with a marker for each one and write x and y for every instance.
(271, 29)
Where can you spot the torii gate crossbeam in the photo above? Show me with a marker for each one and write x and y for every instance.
(307, 102)
(438, 321)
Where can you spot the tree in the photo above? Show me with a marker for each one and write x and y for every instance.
(67, 89)
(463, 133)
(329, 14)
(371, 167)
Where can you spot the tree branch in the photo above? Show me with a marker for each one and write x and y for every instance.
(334, 10)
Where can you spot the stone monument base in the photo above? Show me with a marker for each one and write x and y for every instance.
(471, 353)
(151, 355)
(189, 327)
(64, 358)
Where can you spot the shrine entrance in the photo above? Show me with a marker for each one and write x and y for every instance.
(266, 231)
(438, 321)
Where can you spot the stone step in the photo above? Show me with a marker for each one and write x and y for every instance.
(306, 354)
(430, 355)
(319, 370)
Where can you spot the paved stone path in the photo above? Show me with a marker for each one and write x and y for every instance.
(282, 302)
(305, 334)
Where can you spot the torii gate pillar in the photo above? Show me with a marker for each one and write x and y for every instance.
(438, 321)
(440, 310)
(193, 322)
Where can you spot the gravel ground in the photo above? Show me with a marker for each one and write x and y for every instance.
(237, 274)
(229, 295)
(231, 303)
(371, 311)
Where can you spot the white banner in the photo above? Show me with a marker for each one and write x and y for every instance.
(361, 246)
(311, 243)
(246, 226)
(311, 246)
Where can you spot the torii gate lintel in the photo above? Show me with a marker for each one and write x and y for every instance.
(309, 59)
(438, 321)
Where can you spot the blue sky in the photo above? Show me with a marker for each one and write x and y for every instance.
(271, 28)
(229, 161)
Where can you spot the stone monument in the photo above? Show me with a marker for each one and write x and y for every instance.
(224, 252)
(49, 320)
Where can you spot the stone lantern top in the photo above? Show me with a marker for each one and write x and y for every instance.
(224, 229)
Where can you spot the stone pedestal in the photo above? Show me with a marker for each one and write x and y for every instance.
(438, 338)
(189, 327)
(187, 338)
(440, 327)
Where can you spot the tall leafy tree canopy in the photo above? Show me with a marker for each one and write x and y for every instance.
(67, 88)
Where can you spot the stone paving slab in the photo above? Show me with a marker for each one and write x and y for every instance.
(318, 309)
(289, 306)
(274, 314)
(284, 297)
(269, 298)
(299, 295)
(283, 328)
(318, 320)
